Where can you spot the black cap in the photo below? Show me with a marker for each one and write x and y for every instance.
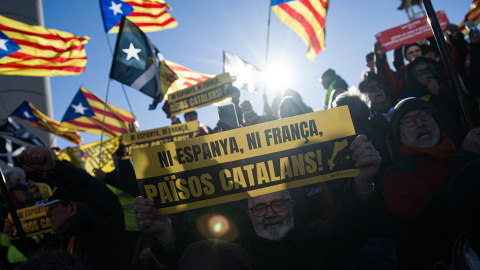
(60, 193)
(405, 106)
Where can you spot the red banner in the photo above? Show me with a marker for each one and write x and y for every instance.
(410, 32)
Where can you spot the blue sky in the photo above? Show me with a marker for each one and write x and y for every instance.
(208, 27)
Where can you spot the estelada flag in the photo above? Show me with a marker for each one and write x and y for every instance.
(86, 111)
(7, 45)
(112, 12)
(136, 62)
(307, 19)
(27, 113)
(149, 15)
(43, 52)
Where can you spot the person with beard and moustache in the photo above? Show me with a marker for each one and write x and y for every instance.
(423, 81)
(415, 188)
(281, 243)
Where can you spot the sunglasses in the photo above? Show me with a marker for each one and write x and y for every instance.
(422, 71)
(411, 120)
(372, 88)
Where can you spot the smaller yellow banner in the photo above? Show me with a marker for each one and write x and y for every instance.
(88, 156)
(34, 221)
(199, 95)
(153, 137)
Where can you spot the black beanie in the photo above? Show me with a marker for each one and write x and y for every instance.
(405, 106)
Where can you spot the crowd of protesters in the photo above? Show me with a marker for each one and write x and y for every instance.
(414, 205)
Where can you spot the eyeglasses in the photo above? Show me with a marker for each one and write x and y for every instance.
(411, 120)
(260, 210)
(372, 88)
(422, 71)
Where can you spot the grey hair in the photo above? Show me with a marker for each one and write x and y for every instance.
(16, 173)
(359, 110)
(286, 195)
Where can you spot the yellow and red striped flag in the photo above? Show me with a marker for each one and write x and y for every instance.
(186, 77)
(43, 52)
(473, 14)
(27, 113)
(149, 16)
(91, 156)
(85, 113)
(307, 19)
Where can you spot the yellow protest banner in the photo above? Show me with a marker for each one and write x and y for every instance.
(88, 156)
(247, 162)
(153, 137)
(199, 95)
(34, 221)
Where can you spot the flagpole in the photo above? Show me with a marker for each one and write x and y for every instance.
(447, 60)
(103, 125)
(13, 212)
(268, 41)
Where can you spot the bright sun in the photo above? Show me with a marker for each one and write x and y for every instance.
(278, 77)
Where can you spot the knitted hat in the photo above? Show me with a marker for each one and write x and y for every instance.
(329, 73)
(405, 106)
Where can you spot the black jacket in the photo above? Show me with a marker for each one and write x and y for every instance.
(319, 244)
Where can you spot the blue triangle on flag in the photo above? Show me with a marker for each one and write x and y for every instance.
(112, 12)
(7, 45)
(78, 108)
(24, 111)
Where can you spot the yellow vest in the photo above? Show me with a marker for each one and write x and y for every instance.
(13, 254)
(127, 202)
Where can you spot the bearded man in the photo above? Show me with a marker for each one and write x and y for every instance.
(280, 243)
(416, 187)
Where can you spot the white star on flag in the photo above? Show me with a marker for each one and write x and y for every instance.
(132, 52)
(79, 108)
(27, 115)
(2, 44)
(116, 8)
